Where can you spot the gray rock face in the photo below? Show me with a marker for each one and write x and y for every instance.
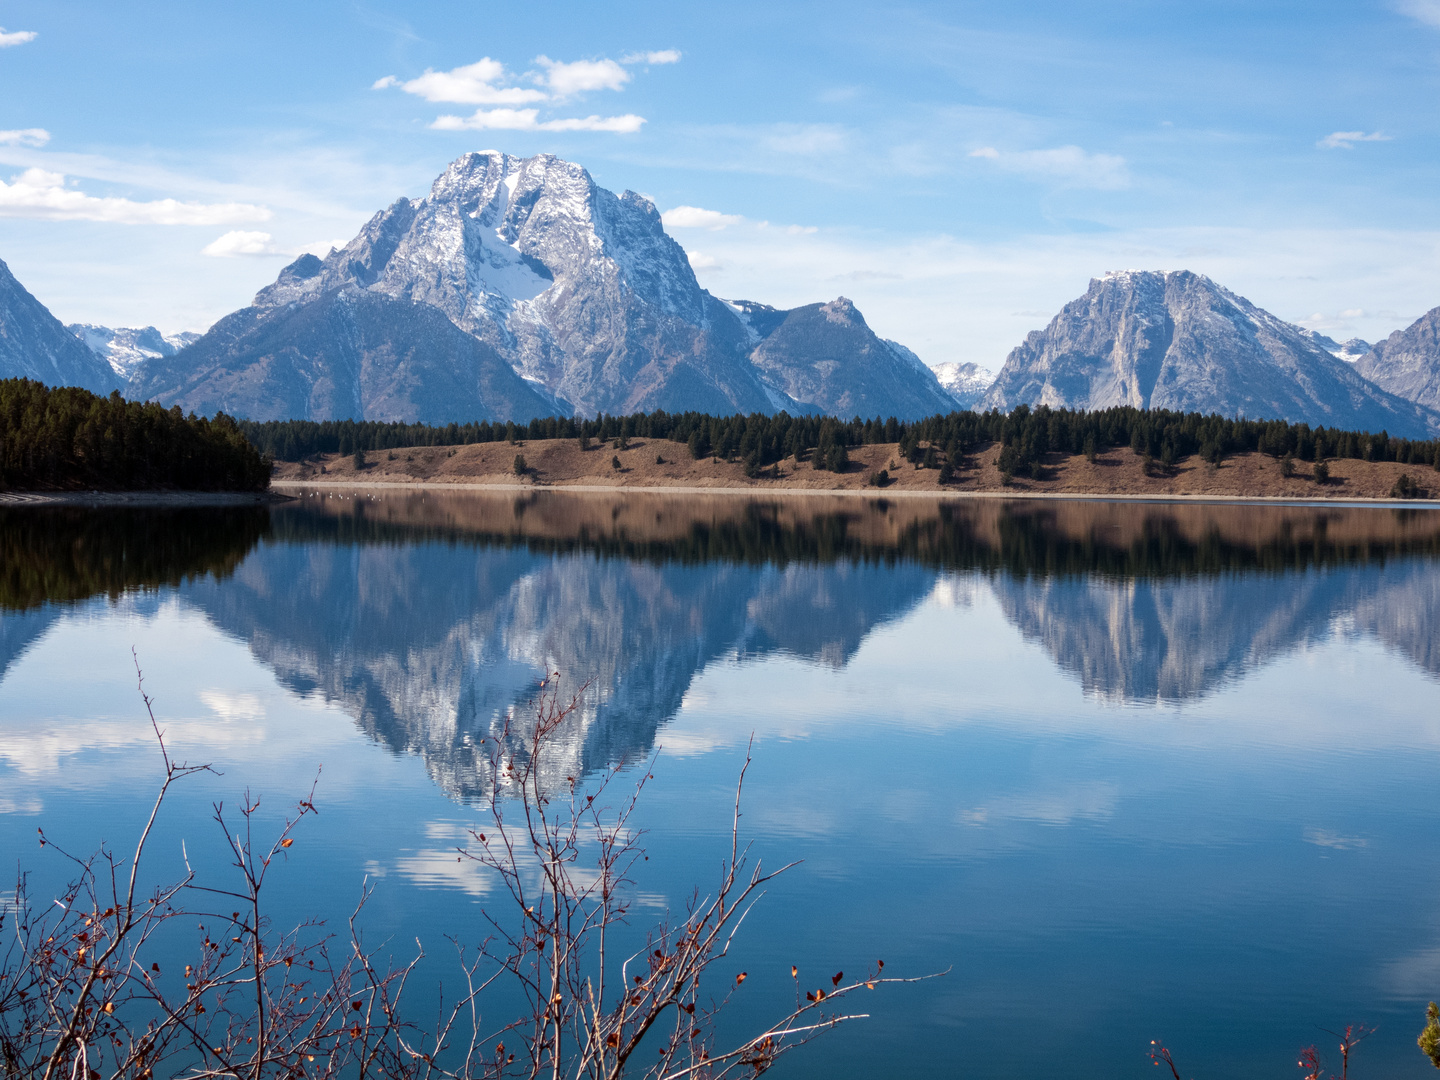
(125, 348)
(1177, 340)
(33, 344)
(1407, 363)
(825, 355)
(579, 290)
(343, 354)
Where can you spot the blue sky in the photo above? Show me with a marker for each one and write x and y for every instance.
(960, 170)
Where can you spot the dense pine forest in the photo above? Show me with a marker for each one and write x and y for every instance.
(1026, 434)
(65, 438)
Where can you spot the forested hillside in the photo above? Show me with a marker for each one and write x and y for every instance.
(69, 439)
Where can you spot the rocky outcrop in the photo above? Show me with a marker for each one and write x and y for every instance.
(1407, 363)
(34, 345)
(1177, 340)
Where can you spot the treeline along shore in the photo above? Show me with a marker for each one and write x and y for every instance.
(1112, 451)
(68, 439)
(762, 440)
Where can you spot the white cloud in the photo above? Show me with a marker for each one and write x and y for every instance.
(664, 56)
(1346, 140)
(1425, 11)
(16, 37)
(582, 76)
(38, 193)
(1069, 164)
(700, 261)
(471, 84)
(528, 120)
(25, 137)
(693, 217)
(241, 242)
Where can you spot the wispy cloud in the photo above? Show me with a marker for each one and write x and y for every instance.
(582, 76)
(1069, 164)
(664, 56)
(37, 193)
(16, 37)
(693, 217)
(528, 120)
(1425, 11)
(1346, 140)
(25, 137)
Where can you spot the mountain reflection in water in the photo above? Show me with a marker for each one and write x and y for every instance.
(431, 617)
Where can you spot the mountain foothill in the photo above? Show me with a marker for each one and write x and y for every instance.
(519, 288)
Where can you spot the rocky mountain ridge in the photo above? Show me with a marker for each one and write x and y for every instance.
(1177, 340)
(1407, 363)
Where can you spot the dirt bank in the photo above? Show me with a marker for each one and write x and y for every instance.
(657, 463)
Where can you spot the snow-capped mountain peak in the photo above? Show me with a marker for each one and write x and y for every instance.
(125, 348)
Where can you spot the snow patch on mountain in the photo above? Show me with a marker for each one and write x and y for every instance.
(966, 383)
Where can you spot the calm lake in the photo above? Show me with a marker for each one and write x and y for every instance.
(1127, 771)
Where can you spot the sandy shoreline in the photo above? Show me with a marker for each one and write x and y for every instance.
(858, 493)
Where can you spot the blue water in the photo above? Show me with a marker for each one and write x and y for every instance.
(1124, 772)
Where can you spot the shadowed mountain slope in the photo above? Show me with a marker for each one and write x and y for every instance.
(34, 345)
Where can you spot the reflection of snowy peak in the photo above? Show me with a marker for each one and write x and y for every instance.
(125, 348)
(434, 648)
(579, 290)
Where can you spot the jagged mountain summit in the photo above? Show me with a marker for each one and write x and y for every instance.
(1407, 363)
(578, 290)
(1177, 340)
(125, 348)
(33, 344)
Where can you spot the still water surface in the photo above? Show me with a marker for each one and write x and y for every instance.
(1128, 771)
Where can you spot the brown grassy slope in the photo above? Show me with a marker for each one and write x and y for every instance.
(560, 462)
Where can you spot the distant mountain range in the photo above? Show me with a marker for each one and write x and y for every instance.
(519, 287)
(126, 348)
